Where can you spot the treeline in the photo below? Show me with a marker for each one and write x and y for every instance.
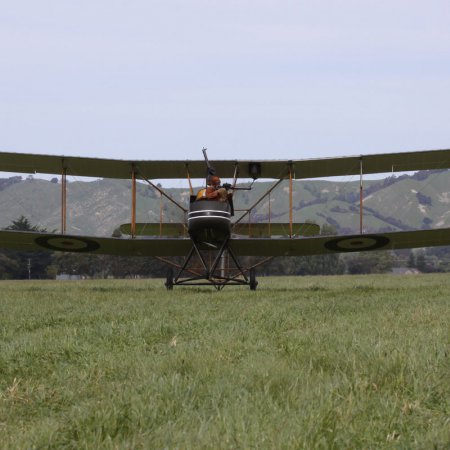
(47, 265)
(430, 260)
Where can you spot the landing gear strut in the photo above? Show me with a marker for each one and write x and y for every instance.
(213, 270)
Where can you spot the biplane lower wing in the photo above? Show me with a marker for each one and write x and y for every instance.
(341, 244)
(29, 241)
(247, 229)
(155, 229)
(32, 241)
(265, 230)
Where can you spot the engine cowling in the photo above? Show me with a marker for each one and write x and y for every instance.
(209, 221)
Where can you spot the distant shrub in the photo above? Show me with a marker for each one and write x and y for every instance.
(6, 182)
(424, 199)
(426, 223)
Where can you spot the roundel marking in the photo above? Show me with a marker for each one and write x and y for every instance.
(357, 243)
(68, 244)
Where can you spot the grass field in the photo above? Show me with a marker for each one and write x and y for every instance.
(311, 362)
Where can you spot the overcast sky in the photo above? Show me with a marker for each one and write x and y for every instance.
(280, 79)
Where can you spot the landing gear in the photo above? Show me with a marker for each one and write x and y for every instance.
(252, 279)
(169, 279)
(207, 266)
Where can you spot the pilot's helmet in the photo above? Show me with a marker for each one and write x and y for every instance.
(214, 181)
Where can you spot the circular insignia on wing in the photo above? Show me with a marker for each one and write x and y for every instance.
(357, 243)
(68, 244)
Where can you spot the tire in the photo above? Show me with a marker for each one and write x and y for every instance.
(253, 283)
(169, 279)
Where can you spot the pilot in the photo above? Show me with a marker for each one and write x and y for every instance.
(213, 191)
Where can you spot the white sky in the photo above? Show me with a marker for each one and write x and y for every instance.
(147, 79)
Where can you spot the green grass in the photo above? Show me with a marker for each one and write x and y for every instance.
(312, 362)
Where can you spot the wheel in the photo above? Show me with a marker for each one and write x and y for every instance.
(253, 282)
(169, 279)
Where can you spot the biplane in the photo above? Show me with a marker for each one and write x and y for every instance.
(212, 238)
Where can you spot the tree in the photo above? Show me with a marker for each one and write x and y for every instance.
(23, 224)
(369, 262)
(411, 260)
(103, 266)
(329, 264)
(420, 261)
(20, 264)
(7, 267)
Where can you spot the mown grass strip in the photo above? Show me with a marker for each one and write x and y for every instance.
(330, 362)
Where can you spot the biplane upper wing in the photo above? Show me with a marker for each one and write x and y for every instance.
(32, 241)
(275, 169)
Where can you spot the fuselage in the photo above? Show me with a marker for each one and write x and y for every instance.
(209, 221)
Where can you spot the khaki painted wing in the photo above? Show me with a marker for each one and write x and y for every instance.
(156, 229)
(340, 244)
(30, 241)
(275, 169)
(20, 240)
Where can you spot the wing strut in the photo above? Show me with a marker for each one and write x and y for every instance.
(361, 196)
(247, 211)
(270, 213)
(133, 202)
(290, 202)
(161, 191)
(160, 214)
(191, 189)
(63, 199)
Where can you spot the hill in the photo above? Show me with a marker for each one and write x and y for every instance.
(97, 207)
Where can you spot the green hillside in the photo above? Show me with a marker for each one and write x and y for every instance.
(98, 207)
